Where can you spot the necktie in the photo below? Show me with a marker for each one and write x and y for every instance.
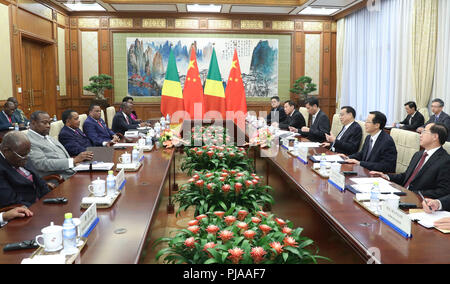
(99, 123)
(126, 118)
(417, 170)
(436, 118)
(26, 174)
(338, 138)
(370, 149)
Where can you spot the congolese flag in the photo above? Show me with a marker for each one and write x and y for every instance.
(171, 95)
(214, 99)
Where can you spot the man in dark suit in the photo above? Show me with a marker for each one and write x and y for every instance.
(277, 113)
(18, 114)
(123, 122)
(439, 116)
(6, 118)
(414, 119)
(429, 170)
(18, 184)
(349, 139)
(71, 136)
(320, 124)
(294, 120)
(379, 152)
(95, 128)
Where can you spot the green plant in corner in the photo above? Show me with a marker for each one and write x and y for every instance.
(98, 85)
(303, 86)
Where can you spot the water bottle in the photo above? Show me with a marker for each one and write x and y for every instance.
(168, 119)
(69, 235)
(323, 165)
(111, 183)
(16, 126)
(55, 118)
(375, 197)
(148, 139)
(135, 155)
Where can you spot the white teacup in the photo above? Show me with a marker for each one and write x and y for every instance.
(53, 238)
(125, 158)
(393, 201)
(98, 188)
(336, 167)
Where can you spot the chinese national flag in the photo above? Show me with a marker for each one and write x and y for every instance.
(235, 91)
(193, 89)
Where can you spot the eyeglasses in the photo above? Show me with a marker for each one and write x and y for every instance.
(21, 157)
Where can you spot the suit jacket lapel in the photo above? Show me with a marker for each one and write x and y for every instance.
(430, 162)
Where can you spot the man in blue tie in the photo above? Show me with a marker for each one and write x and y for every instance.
(71, 136)
(95, 128)
(379, 152)
(439, 116)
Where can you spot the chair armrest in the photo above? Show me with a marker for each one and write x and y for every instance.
(58, 178)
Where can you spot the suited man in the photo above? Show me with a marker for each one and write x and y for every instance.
(277, 113)
(18, 114)
(429, 170)
(18, 183)
(414, 119)
(71, 136)
(95, 128)
(48, 156)
(320, 124)
(122, 121)
(379, 152)
(349, 139)
(6, 118)
(439, 116)
(294, 120)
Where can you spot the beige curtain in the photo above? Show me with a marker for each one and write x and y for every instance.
(424, 36)
(339, 60)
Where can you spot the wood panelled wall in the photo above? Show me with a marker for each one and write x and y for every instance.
(39, 24)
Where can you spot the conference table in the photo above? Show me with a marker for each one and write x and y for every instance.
(121, 233)
(371, 240)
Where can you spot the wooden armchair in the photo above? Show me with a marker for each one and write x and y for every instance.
(48, 178)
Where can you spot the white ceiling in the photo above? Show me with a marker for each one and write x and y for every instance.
(226, 8)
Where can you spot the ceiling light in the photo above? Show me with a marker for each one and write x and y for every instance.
(318, 11)
(84, 7)
(204, 8)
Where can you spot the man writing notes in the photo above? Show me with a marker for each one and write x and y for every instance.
(429, 170)
(320, 124)
(414, 119)
(379, 152)
(294, 118)
(277, 113)
(95, 128)
(439, 116)
(349, 139)
(48, 156)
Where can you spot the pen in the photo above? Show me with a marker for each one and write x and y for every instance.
(423, 198)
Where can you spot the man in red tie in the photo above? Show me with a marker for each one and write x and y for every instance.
(6, 119)
(18, 183)
(429, 170)
(122, 121)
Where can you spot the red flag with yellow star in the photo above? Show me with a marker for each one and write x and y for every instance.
(193, 89)
(235, 91)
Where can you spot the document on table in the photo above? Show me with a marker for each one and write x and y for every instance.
(95, 167)
(309, 144)
(427, 220)
(329, 158)
(120, 145)
(370, 181)
(366, 188)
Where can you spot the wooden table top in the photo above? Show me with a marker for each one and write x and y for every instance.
(363, 231)
(133, 210)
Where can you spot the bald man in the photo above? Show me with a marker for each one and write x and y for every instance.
(18, 184)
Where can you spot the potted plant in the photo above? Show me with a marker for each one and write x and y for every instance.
(210, 191)
(303, 86)
(98, 86)
(238, 237)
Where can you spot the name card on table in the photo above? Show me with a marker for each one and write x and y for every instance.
(397, 220)
(302, 153)
(337, 180)
(88, 220)
(120, 180)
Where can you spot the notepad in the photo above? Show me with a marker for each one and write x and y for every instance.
(427, 220)
(369, 181)
(366, 188)
(95, 167)
(329, 158)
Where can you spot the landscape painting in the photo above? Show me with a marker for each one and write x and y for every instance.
(147, 62)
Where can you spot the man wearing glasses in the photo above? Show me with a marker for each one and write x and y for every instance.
(379, 152)
(429, 170)
(18, 184)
